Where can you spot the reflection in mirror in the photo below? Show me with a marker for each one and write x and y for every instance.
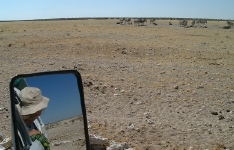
(51, 104)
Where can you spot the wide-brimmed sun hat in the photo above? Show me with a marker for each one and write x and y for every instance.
(31, 101)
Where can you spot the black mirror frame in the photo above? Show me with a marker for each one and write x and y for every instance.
(15, 141)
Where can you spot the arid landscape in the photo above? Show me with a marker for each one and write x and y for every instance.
(154, 86)
(67, 134)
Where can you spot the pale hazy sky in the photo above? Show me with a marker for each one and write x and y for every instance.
(46, 9)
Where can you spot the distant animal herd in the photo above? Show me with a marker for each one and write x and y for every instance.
(182, 23)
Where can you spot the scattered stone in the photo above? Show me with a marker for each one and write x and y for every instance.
(176, 87)
(51, 64)
(122, 91)
(159, 93)
(139, 103)
(116, 146)
(124, 52)
(98, 140)
(104, 90)
(150, 121)
(131, 126)
(137, 129)
(221, 117)
(214, 113)
(5, 142)
(88, 84)
(209, 131)
(56, 144)
(147, 115)
(199, 87)
(190, 148)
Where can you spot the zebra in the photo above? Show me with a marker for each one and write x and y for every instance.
(128, 21)
(152, 20)
(139, 21)
(122, 21)
(136, 21)
(192, 23)
(201, 22)
(142, 21)
(230, 23)
(226, 27)
(183, 23)
(197, 22)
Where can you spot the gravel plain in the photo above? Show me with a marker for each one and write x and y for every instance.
(154, 87)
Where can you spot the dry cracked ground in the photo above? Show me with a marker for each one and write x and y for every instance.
(154, 87)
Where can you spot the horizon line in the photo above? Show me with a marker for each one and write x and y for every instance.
(86, 18)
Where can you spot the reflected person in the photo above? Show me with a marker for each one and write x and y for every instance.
(31, 107)
(20, 83)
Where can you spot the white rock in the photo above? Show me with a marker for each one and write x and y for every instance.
(131, 126)
(116, 146)
(150, 121)
(5, 142)
(98, 140)
(147, 115)
(2, 148)
(139, 103)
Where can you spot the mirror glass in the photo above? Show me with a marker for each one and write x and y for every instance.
(62, 121)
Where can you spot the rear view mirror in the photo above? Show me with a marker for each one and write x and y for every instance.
(62, 122)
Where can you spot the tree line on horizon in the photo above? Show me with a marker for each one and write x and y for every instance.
(106, 18)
